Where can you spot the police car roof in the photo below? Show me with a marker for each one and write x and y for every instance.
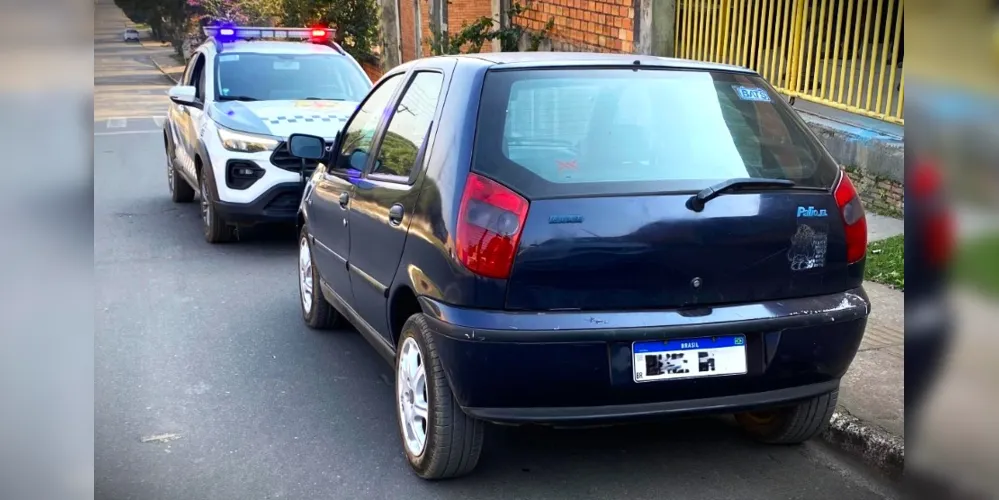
(277, 47)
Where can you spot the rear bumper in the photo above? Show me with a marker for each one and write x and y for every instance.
(577, 366)
(279, 204)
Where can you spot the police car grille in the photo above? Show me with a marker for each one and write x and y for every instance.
(282, 158)
(284, 202)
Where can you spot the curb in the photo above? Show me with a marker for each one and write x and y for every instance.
(160, 68)
(874, 445)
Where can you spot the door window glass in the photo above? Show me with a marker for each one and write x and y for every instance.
(409, 126)
(356, 144)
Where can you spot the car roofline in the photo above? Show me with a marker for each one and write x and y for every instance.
(575, 59)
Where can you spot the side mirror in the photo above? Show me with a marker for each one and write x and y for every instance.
(183, 95)
(307, 147)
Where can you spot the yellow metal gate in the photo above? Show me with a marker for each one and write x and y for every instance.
(847, 54)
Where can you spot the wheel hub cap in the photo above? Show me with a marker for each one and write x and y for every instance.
(305, 274)
(411, 387)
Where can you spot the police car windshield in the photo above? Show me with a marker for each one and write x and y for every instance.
(267, 77)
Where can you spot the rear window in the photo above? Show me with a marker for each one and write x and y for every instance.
(574, 132)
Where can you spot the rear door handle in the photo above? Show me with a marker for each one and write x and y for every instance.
(344, 199)
(396, 213)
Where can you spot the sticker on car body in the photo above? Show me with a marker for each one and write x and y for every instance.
(808, 248)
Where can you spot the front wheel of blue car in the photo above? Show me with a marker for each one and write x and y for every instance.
(439, 439)
(792, 424)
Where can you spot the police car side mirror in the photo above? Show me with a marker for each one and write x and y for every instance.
(307, 147)
(185, 95)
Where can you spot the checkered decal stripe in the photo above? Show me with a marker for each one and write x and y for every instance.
(308, 119)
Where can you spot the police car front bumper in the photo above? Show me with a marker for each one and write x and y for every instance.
(278, 204)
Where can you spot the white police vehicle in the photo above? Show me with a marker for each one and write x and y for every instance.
(244, 91)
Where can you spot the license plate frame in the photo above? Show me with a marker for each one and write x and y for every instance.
(729, 351)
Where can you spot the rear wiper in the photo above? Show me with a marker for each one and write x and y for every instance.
(237, 98)
(321, 99)
(696, 202)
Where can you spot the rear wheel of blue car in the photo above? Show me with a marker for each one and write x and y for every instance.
(792, 424)
(440, 441)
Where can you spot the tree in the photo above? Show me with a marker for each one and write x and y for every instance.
(355, 21)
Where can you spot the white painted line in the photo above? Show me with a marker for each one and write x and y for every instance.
(117, 122)
(129, 132)
(159, 120)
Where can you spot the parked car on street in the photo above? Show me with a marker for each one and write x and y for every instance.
(242, 94)
(130, 35)
(551, 238)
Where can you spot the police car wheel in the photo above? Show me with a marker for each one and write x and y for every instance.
(180, 190)
(215, 228)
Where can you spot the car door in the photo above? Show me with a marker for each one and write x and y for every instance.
(184, 116)
(327, 202)
(380, 212)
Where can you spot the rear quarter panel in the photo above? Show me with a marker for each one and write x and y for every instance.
(428, 265)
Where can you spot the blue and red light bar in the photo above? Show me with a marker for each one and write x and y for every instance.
(226, 33)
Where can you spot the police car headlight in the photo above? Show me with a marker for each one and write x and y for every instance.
(246, 143)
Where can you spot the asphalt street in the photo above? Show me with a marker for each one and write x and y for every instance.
(208, 385)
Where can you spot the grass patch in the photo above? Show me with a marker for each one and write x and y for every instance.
(977, 264)
(141, 26)
(886, 262)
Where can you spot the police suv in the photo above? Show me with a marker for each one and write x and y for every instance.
(245, 90)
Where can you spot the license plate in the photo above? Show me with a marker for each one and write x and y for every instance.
(689, 358)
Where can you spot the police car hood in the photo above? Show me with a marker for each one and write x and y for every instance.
(283, 118)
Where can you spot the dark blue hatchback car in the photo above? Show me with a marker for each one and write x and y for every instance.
(582, 238)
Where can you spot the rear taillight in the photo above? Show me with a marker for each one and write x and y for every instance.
(854, 221)
(490, 221)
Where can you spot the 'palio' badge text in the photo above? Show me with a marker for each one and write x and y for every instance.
(565, 219)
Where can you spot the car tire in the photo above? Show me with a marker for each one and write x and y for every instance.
(180, 190)
(793, 424)
(316, 310)
(452, 440)
(215, 228)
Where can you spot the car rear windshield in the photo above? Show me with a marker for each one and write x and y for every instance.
(266, 77)
(576, 132)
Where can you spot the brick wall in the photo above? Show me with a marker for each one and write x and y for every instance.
(461, 12)
(583, 25)
(407, 27)
(373, 72)
(879, 195)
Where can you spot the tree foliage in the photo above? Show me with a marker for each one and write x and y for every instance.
(176, 21)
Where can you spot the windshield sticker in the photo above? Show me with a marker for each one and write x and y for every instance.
(324, 105)
(225, 91)
(752, 94)
(566, 165)
(228, 57)
(808, 249)
(286, 65)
